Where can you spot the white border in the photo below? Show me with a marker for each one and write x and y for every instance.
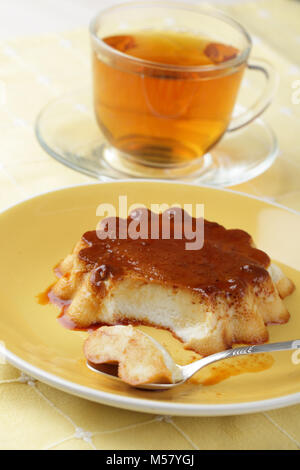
(140, 404)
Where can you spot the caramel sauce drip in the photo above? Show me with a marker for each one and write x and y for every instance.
(214, 374)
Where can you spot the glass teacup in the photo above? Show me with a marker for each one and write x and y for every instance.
(166, 80)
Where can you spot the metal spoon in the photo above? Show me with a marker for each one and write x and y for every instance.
(189, 370)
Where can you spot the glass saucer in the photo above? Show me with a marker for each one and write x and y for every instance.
(66, 128)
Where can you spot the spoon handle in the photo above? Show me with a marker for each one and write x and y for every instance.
(189, 370)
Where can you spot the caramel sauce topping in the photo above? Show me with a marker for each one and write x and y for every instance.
(227, 262)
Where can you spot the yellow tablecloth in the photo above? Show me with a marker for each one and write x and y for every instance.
(32, 72)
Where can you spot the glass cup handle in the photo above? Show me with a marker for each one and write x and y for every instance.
(272, 80)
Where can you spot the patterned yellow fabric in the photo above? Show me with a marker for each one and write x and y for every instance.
(32, 72)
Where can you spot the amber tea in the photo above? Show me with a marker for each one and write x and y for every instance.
(165, 110)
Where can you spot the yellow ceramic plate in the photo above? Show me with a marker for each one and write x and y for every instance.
(37, 233)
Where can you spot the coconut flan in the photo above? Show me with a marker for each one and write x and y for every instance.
(225, 292)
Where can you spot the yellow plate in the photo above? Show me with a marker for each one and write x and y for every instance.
(37, 233)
